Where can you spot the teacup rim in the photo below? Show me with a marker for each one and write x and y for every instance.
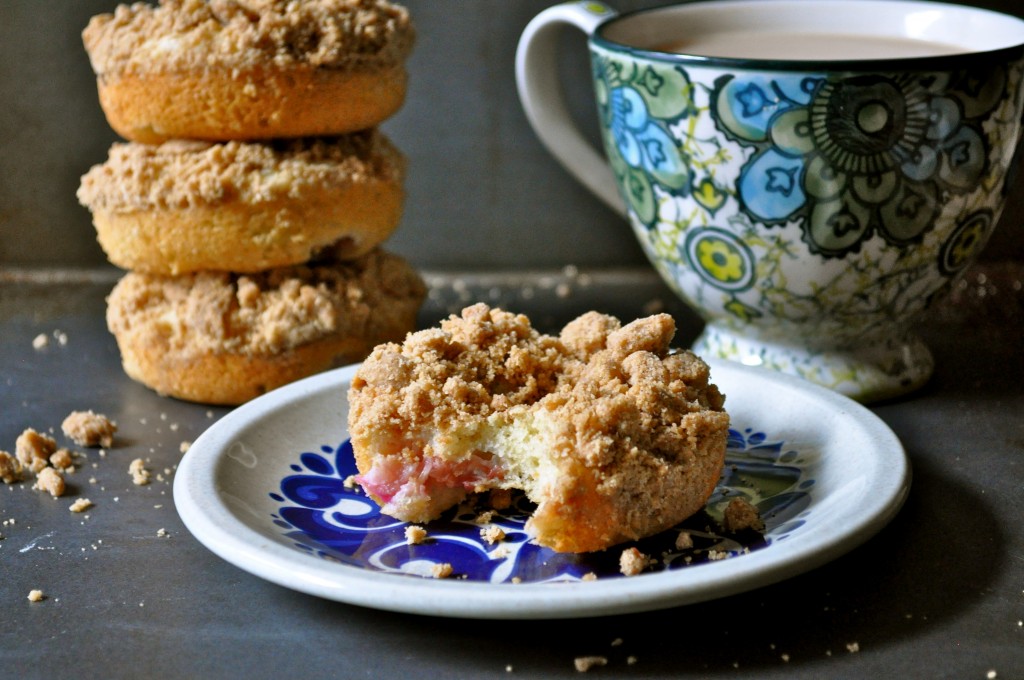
(916, 63)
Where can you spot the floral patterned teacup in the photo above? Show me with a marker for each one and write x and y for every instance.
(809, 207)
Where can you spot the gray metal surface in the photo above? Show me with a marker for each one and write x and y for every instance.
(937, 594)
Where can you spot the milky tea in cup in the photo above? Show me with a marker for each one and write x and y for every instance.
(809, 175)
(758, 44)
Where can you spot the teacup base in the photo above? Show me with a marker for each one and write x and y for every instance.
(873, 372)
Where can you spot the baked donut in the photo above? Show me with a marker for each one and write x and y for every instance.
(186, 206)
(613, 436)
(222, 338)
(220, 70)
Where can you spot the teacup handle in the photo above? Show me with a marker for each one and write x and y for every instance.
(541, 95)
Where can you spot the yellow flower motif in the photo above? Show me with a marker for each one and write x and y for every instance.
(741, 311)
(967, 243)
(597, 8)
(720, 260)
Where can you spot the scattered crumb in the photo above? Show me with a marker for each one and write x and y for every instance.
(86, 428)
(516, 580)
(162, 533)
(442, 570)
(351, 482)
(184, 446)
(492, 534)
(32, 446)
(853, 647)
(10, 468)
(617, 642)
(35, 596)
(50, 481)
(40, 341)
(991, 675)
(81, 505)
(630, 660)
(715, 555)
(62, 459)
(61, 337)
(508, 668)
(140, 475)
(740, 515)
(590, 576)
(414, 535)
(784, 657)
(684, 541)
(632, 562)
(485, 517)
(585, 663)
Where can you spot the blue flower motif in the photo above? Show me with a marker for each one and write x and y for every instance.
(638, 107)
(643, 142)
(853, 156)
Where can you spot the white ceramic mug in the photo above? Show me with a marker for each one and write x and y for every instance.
(809, 175)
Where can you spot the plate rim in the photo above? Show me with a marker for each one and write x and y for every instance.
(215, 525)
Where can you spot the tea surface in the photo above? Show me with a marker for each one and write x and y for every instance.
(754, 44)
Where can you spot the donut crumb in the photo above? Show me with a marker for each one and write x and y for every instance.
(585, 663)
(741, 515)
(51, 481)
(140, 474)
(10, 468)
(632, 562)
(87, 428)
(492, 534)
(415, 535)
(441, 570)
(32, 447)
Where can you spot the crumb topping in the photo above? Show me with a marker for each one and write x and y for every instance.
(441, 570)
(80, 505)
(181, 174)
(33, 448)
(739, 515)
(266, 312)
(51, 481)
(184, 35)
(492, 534)
(86, 428)
(585, 663)
(489, 360)
(633, 562)
(415, 535)
(10, 468)
(62, 459)
(140, 474)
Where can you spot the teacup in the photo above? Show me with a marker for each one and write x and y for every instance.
(809, 176)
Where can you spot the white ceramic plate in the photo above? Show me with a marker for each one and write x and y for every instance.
(264, 489)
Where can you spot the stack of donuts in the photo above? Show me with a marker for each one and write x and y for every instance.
(250, 200)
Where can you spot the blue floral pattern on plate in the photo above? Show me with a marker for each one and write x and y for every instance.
(326, 517)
